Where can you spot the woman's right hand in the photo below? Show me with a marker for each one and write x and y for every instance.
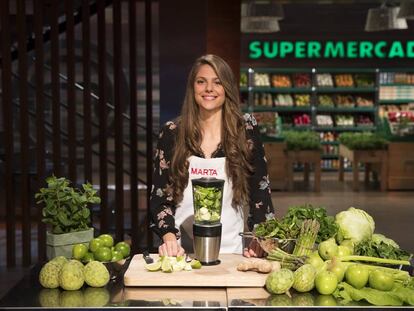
(170, 247)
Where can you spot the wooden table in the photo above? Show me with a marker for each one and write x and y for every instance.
(277, 164)
(307, 157)
(368, 158)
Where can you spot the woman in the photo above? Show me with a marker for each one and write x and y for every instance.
(212, 134)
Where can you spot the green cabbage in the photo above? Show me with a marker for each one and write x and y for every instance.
(354, 224)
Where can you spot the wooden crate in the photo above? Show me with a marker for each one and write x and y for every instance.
(401, 165)
(277, 164)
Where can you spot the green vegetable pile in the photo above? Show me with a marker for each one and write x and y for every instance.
(302, 140)
(289, 226)
(363, 141)
(207, 204)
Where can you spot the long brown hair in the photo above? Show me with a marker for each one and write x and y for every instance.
(233, 140)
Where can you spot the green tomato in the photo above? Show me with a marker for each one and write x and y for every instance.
(107, 240)
(79, 251)
(326, 282)
(117, 256)
(357, 275)
(95, 244)
(124, 248)
(88, 257)
(103, 254)
(381, 280)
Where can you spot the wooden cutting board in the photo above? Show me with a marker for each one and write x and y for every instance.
(223, 275)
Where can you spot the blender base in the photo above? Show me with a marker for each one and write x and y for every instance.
(211, 263)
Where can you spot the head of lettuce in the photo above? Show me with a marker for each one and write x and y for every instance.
(355, 225)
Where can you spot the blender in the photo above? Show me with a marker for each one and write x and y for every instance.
(207, 202)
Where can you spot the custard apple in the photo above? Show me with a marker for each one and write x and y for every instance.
(60, 260)
(49, 275)
(71, 276)
(96, 274)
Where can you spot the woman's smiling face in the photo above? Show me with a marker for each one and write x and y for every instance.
(208, 91)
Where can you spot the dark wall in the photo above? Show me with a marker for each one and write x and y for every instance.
(182, 39)
(189, 29)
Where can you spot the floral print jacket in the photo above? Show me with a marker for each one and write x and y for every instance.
(162, 207)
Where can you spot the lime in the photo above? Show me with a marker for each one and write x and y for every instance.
(155, 266)
(103, 254)
(195, 264)
(166, 265)
(124, 248)
(107, 240)
(79, 251)
(95, 244)
(88, 257)
(178, 266)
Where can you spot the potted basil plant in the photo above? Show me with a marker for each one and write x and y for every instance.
(67, 214)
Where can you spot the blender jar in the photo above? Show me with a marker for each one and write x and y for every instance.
(207, 200)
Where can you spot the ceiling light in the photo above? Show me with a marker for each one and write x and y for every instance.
(407, 9)
(384, 18)
(261, 16)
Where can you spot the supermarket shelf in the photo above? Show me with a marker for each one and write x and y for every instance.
(344, 128)
(395, 101)
(266, 89)
(396, 84)
(279, 70)
(345, 70)
(244, 88)
(345, 89)
(278, 109)
(345, 109)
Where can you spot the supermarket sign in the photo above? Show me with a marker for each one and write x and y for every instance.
(331, 49)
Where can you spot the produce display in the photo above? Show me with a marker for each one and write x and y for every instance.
(207, 204)
(324, 120)
(302, 100)
(363, 101)
(267, 122)
(283, 100)
(344, 101)
(346, 264)
(344, 120)
(364, 80)
(261, 79)
(344, 80)
(302, 80)
(302, 140)
(363, 120)
(325, 101)
(363, 141)
(324, 79)
(279, 80)
(243, 79)
(302, 120)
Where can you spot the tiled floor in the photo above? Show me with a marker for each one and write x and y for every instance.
(393, 213)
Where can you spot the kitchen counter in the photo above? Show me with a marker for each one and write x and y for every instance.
(28, 294)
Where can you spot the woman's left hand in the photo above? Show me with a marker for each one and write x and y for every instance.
(253, 250)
